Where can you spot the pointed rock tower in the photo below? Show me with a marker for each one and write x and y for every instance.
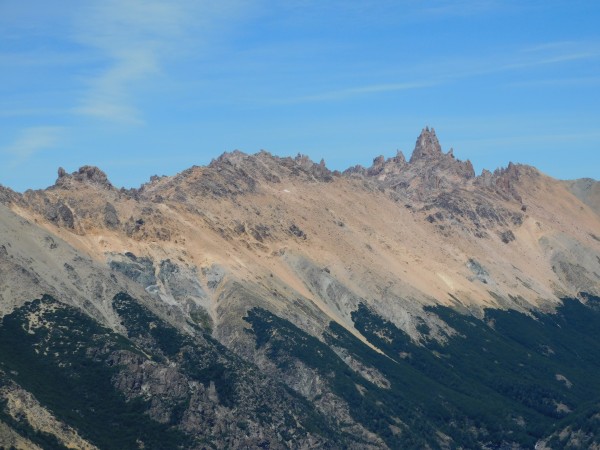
(427, 146)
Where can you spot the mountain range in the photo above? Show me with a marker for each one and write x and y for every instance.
(269, 302)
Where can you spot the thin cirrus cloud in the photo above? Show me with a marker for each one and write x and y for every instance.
(136, 39)
(558, 52)
(519, 60)
(344, 94)
(557, 82)
(458, 69)
(130, 37)
(109, 94)
(31, 141)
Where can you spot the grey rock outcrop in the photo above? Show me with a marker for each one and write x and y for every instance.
(427, 146)
(503, 181)
(111, 217)
(86, 174)
(60, 214)
(139, 269)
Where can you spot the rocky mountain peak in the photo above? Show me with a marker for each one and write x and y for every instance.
(427, 145)
(400, 158)
(233, 158)
(86, 174)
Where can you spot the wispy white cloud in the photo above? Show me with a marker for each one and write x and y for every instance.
(130, 35)
(109, 94)
(344, 94)
(547, 54)
(135, 38)
(557, 82)
(17, 112)
(40, 59)
(538, 138)
(443, 72)
(562, 51)
(30, 141)
(549, 46)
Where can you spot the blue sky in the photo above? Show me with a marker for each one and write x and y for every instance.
(152, 87)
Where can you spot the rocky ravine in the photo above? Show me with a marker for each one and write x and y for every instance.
(281, 269)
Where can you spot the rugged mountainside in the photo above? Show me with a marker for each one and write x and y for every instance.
(266, 302)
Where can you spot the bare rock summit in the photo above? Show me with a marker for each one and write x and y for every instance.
(427, 145)
(86, 174)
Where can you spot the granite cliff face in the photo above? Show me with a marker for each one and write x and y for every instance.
(267, 302)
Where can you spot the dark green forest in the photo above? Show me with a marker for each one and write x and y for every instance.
(502, 379)
(505, 379)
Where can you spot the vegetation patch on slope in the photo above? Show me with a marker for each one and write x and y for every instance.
(60, 355)
(507, 379)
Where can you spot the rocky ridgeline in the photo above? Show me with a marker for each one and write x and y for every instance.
(234, 174)
(447, 190)
(8, 196)
(419, 181)
(444, 188)
(430, 170)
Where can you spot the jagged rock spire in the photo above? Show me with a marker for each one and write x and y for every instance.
(86, 174)
(427, 145)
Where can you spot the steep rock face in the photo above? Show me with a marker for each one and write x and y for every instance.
(428, 170)
(76, 201)
(448, 191)
(438, 170)
(8, 196)
(234, 174)
(111, 217)
(504, 181)
(427, 146)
